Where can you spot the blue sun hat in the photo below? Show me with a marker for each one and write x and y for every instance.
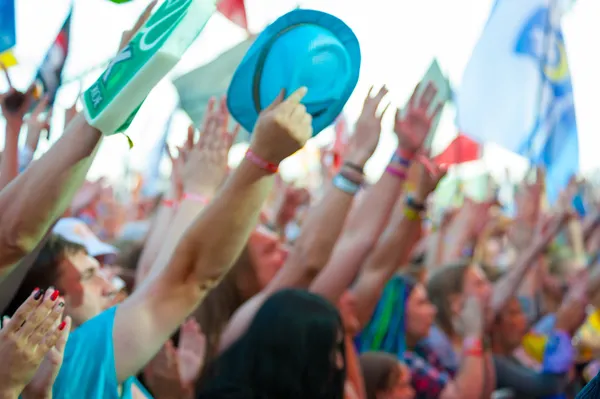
(302, 48)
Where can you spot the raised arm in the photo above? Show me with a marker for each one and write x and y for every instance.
(509, 284)
(212, 243)
(393, 246)
(200, 169)
(323, 223)
(203, 171)
(26, 216)
(366, 223)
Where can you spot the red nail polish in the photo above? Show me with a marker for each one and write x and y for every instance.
(55, 295)
(62, 325)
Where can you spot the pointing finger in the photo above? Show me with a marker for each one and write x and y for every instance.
(297, 96)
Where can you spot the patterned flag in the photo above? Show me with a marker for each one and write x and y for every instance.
(49, 76)
(516, 90)
(235, 11)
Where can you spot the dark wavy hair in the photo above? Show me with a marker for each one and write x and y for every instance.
(288, 352)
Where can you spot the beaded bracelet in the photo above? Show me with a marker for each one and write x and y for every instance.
(261, 163)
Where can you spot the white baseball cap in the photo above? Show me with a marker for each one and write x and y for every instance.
(76, 231)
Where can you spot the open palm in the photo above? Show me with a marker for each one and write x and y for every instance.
(414, 124)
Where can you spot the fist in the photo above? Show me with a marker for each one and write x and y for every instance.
(282, 128)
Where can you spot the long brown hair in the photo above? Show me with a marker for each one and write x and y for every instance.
(239, 285)
(442, 285)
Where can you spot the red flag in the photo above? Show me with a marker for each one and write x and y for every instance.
(462, 149)
(235, 11)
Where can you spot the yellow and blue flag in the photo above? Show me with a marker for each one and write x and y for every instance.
(516, 89)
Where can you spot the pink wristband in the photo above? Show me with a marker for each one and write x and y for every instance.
(169, 203)
(396, 172)
(196, 198)
(261, 163)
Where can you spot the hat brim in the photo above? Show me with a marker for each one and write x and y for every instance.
(240, 96)
(99, 248)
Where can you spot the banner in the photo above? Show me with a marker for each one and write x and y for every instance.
(49, 75)
(196, 87)
(516, 90)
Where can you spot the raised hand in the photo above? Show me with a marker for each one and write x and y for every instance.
(14, 103)
(173, 371)
(162, 374)
(191, 352)
(205, 168)
(363, 142)
(27, 338)
(282, 128)
(413, 128)
(36, 124)
(430, 175)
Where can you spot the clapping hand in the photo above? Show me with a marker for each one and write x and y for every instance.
(173, 372)
(32, 344)
(282, 128)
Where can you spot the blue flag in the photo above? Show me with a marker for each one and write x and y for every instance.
(8, 33)
(516, 90)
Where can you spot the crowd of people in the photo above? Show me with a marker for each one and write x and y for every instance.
(236, 284)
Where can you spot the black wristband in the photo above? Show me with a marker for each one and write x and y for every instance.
(354, 167)
(411, 203)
